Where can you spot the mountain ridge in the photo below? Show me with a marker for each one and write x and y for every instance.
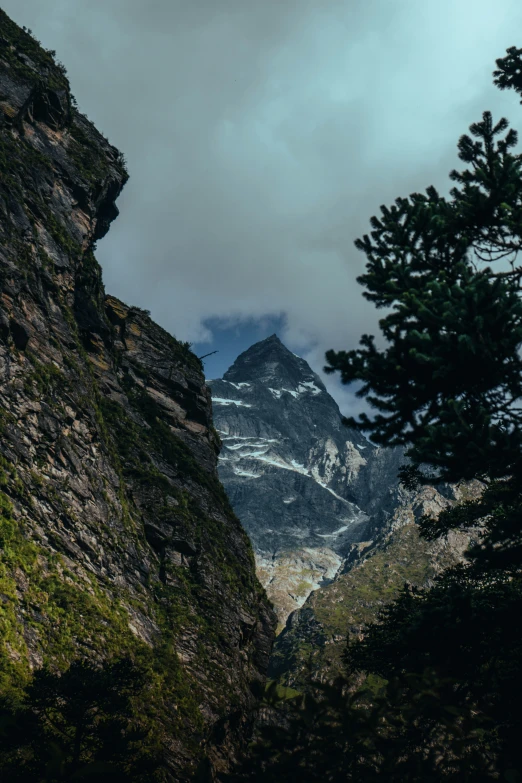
(264, 356)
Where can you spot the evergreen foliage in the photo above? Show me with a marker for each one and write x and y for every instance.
(433, 689)
(78, 725)
(412, 727)
(448, 383)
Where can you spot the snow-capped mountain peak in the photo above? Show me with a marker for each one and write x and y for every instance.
(288, 464)
(270, 362)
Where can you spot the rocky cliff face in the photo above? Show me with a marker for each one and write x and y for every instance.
(115, 532)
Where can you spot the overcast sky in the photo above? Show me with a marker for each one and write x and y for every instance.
(261, 135)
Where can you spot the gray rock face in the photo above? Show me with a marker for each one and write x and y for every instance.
(121, 539)
(305, 486)
(287, 462)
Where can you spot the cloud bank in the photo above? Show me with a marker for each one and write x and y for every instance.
(261, 137)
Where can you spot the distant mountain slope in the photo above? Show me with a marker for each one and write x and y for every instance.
(315, 636)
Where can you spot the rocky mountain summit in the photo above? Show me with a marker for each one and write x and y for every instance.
(116, 536)
(307, 488)
(282, 432)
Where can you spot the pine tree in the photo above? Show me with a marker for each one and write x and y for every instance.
(449, 382)
(80, 724)
(455, 334)
(448, 385)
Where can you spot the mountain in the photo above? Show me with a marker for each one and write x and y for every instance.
(334, 533)
(116, 536)
(282, 433)
(306, 488)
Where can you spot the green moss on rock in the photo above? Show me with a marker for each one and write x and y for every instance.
(353, 600)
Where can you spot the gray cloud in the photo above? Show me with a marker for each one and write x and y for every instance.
(261, 136)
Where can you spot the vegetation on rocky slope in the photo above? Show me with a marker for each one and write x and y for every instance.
(117, 541)
(314, 642)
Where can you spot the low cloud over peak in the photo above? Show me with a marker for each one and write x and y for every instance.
(261, 137)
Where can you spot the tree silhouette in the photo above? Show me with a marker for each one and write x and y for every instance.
(432, 691)
(78, 725)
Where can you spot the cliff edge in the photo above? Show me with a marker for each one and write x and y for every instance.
(116, 535)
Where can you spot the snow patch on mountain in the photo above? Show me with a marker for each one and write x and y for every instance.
(342, 529)
(223, 401)
(309, 386)
(239, 472)
(239, 385)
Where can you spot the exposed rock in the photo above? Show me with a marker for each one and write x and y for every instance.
(290, 577)
(120, 535)
(289, 467)
(314, 638)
